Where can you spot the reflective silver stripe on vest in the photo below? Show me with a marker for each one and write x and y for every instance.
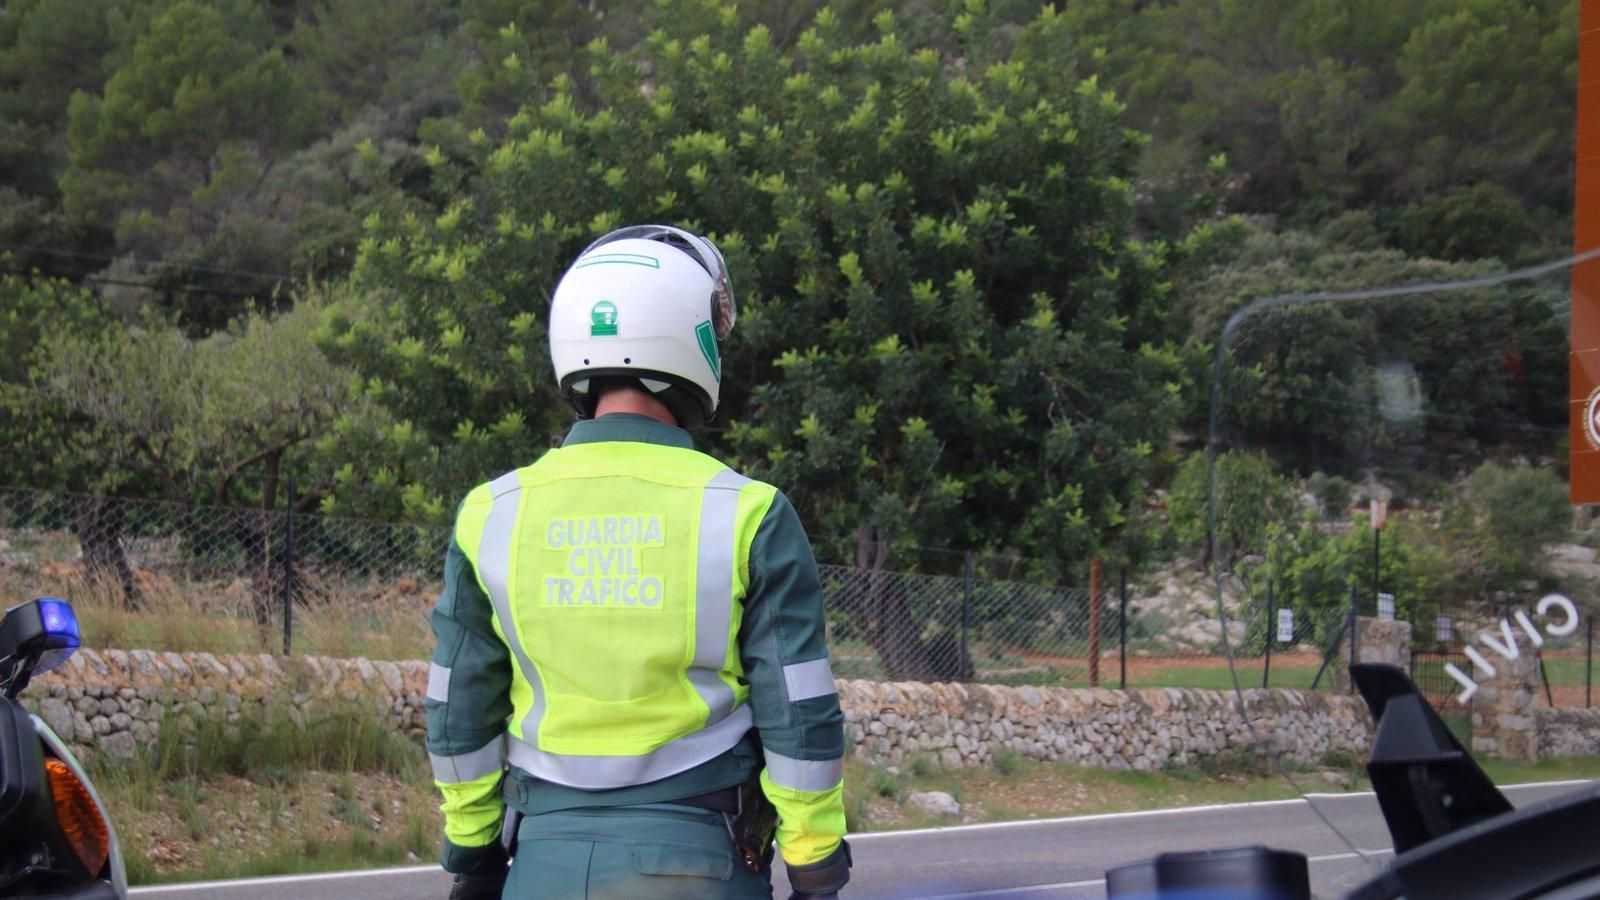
(713, 596)
(802, 774)
(438, 683)
(601, 772)
(809, 679)
(470, 766)
(494, 567)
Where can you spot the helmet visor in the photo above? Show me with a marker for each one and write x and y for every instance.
(723, 312)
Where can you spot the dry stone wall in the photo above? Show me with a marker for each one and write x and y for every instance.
(1143, 729)
(116, 702)
(1567, 732)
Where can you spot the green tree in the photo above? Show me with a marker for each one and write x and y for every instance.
(1501, 522)
(1487, 93)
(1253, 502)
(1332, 385)
(1470, 222)
(1323, 106)
(34, 313)
(185, 130)
(1317, 566)
(948, 336)
(210, 420)
(49, 49)
(218, 421)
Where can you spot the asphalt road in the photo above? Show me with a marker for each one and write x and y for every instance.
(1030, 860)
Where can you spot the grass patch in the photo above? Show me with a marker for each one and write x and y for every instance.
(1511, 772)
(270, 744)
(1007, 761)
(304, 828)
(268, 795)
(1023, 788)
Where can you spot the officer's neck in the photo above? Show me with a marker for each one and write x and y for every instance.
(633, 400)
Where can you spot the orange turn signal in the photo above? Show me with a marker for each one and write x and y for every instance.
(81, 823)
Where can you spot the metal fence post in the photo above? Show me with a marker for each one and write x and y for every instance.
(1094, 622)
(288, 571)
(1122, 628)
(1272, 613)
(967, 668)
(1588, 664)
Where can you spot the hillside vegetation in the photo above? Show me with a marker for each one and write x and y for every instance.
(983, 250)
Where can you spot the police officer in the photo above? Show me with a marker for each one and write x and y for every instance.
(630, 630)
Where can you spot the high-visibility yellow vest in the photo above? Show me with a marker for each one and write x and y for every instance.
(617, 573)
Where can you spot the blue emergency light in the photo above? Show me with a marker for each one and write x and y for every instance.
(45, 630)
(61, 635)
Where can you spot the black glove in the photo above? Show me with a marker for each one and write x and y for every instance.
(821, 880)
(486, 879)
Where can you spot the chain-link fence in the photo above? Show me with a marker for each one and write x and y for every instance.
(172, 576)
(169, 576)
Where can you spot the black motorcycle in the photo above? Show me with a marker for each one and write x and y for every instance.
(56, 840)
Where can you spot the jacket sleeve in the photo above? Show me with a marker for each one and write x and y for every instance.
(468, 703)
(792, 694)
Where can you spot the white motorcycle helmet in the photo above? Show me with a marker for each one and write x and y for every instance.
(645, 306)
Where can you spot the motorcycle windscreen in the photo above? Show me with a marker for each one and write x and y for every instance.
(1384, 457)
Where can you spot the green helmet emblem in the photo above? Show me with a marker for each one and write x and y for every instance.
(708, 348)
(603, 319)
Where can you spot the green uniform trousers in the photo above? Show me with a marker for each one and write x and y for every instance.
(651, 852)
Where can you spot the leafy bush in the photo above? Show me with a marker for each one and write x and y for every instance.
(1251, 498)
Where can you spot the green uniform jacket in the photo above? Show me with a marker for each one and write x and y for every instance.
(783, 650)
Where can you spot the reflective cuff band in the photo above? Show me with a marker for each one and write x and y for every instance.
(471, 766)
(804, 774)
(438, 683)
(809, 679)
(824, 877)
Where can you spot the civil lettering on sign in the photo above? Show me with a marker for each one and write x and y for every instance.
(1285, 626)
(604, 561)
(1561, 619)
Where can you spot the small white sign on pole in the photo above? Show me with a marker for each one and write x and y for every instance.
(1285, 626)
(1386, 607)
(1443, 629)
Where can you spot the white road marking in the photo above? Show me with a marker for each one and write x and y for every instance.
(1093, 817)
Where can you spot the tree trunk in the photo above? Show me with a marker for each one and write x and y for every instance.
(880, 606)
(99, 523)
(263, 559)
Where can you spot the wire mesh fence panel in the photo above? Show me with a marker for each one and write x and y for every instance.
(902, 626)
(169, 576)
(1265, 646)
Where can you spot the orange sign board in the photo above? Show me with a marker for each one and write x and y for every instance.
(1584, 359)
